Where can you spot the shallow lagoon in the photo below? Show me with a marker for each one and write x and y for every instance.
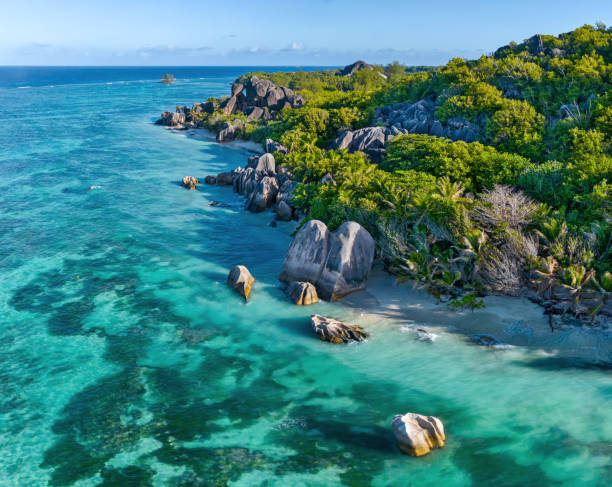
(127, 361)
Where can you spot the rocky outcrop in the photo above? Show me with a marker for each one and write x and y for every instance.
(351, 69)
(263, 102)
(405, 118)
(266, 163)
(337, 263)
(237, 89)
(205, 107)
(272, 146)
(417, 435)
(233, 104)
(172, 119)
(225, 178)
(190, 182)
(534, 46)
(284, 212)
(241, 280)
(285, 193)
(263, 187)
(335, 331)
(370, 140)
(230, 131)
(264, 93)
(302, 293)
(264, 195)
(418, 118)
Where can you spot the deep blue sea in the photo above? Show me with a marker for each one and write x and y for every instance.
(126, 361)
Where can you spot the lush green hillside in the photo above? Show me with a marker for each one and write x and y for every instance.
(526, 205)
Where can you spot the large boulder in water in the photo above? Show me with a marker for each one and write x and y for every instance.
(335, 331)
(417, 435)
(337, 263)
(284, 212)
(302, 293)
(264, 195)
(307, 253)
(241, 280)
(172, 119)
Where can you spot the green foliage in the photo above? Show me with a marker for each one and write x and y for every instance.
(468, 301)
(544, 115)
(475, 99)
(518, 128)
(476, 165)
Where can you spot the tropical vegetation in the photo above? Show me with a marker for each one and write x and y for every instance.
(525, 207)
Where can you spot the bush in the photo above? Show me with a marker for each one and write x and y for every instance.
(476, 165)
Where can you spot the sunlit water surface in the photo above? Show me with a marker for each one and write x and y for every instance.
(125, 359)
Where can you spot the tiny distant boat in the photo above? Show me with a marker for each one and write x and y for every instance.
(93, 187)
(168, 79)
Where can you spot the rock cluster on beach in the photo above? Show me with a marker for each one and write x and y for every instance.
(262, 185)
(263, 101)
(336, 263)
(416, 434)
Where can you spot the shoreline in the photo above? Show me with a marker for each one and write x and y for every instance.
(512, 321)
(206, 135)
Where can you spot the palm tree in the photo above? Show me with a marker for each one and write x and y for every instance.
(546, 274)
(575, 279)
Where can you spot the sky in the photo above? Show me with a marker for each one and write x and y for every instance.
(276, 32)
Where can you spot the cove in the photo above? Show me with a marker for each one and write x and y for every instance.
(127, 361)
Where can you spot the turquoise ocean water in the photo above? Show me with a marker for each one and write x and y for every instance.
(126, 361)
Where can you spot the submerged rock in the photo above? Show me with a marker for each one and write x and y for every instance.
(335, 331)
(190, 182)
(417, 435)
(225, 179)
(425, 336)
(302, 293)
(486, 340)
(241, 280)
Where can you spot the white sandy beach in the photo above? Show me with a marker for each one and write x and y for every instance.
(208, 136)
(512, 321)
